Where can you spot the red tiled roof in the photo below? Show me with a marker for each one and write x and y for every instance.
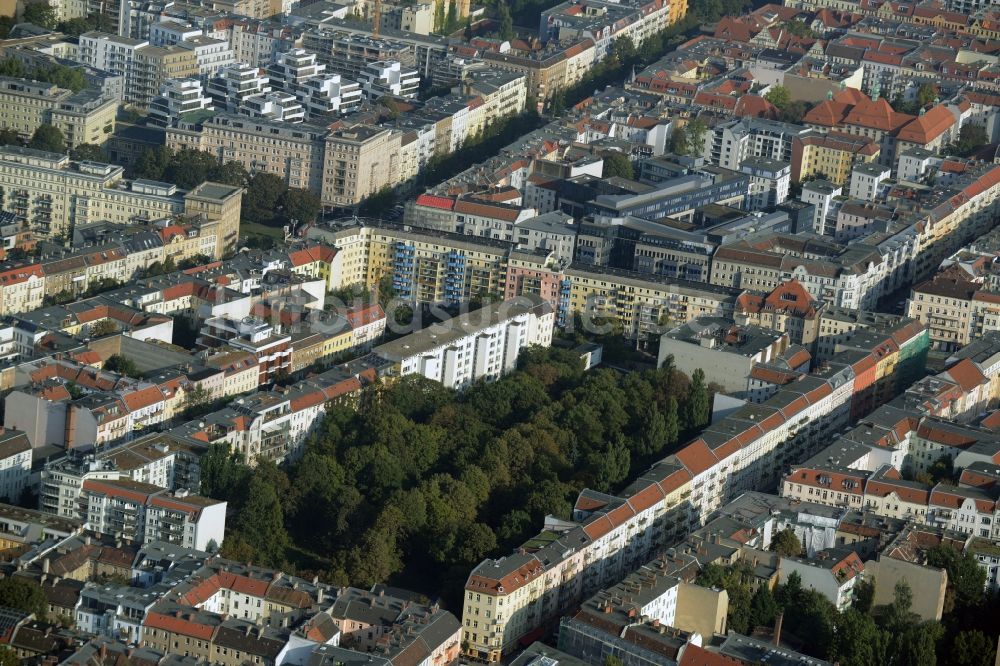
(924, 129)
(966, 374)
(697, 457)
(431, 201)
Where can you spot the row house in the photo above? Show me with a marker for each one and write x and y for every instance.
(508, 598)
(966, 509)
(159, 459)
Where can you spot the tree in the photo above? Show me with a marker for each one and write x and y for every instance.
(970, 138)
(378, 204)
(971, 648)
(260, 202)
(299, 206)
(779, 96)
(966, 579)
(864, 595)
(103, 327)
(152, 163)
(8, 657)
(9, 137)
(62, 76)
(763, 608)
(506, 30)
(47, 137)
(857, 640)
(623, 50)
(6, 23)
(612, 660)
(261, 521)
(190, 168)
(41, 14)
(699, 403)
(122, 365)
(451, 21)
(793, 112)
(468, 34)
(696, 130)
(23, 594)
(88, 152)
(925, 95)
(679, 141)
(617, 164)
(786, 544)
(230, 173)
(11, 67)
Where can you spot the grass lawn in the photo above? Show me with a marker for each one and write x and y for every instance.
(255, 229)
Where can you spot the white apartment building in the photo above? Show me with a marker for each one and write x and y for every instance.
(769, 182)
(210, 54)
(480, 345)
(820, 193)
(142, 513)
(730, 144)
(293, 68)
(15, 464)
(330, 93)
(867, 179)
(233, 84)
(389, 78)
(177, 97)
(157, 460)
(275, 106)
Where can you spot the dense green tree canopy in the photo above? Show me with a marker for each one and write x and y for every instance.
(47, 137)
(421, 479)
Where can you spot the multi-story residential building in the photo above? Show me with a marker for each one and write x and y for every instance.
(166, 462)
(556, 67)
(348, 54)
(730, 144)
(178, 97)
(832, 155)
(612, 535)
(605, 22)
(769, 182)
(15, 464)
(359, 161)
(56, 195)
(233, 84)
(480, 345)
(293, 152)
(144, 67)
(82, 117)
(389, 78)
(274, 106)
(143, 513)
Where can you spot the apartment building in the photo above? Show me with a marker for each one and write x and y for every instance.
(359, 161)
(348, 54)
(381, 78)
(144, 67)
(56, 194)
(731, 143)
(480, 345)
(556, 67)
(178, 97)
(83, 117)
(233, 84)
(293, 152)
(15, 464)
(613, 535)
(143, 513)
(156, 459)
(834, 155)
